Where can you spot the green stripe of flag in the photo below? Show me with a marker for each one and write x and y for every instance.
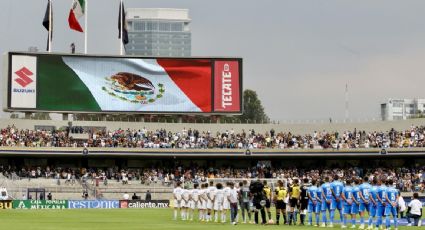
(59, 88)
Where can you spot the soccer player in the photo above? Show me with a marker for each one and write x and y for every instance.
(391, 205)
(245, 198)
(326, 201)
(380, 200)
(336, 187)
(294, 194)
(319, 200)
(268, 192)
(374, 202)
(194, 201)
(356, 202)
(226, 203)
(347, 197)
(280, 195)
(185, 203)
(364, 200)
(218, 203)
(313, 203)
(177, 194)
(210, 194)
(202, 202)
(303, 200)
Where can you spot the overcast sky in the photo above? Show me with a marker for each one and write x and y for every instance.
(298, 55)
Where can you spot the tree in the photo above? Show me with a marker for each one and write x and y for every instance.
(253, 110)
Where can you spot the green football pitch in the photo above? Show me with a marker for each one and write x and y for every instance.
(116, 219)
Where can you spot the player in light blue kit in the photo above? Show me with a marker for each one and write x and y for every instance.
(336, 187)
(374, 202)
(381, 194)
(319, 201)
(313, 203)
(391, 205)
(326, 201)
(364, 200)
(356, 202)
(347, 198)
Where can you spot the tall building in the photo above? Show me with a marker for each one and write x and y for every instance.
(402, 109)
(158, 32)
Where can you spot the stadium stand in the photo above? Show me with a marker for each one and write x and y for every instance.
(111, 183)
(205, 139)
(31, 157)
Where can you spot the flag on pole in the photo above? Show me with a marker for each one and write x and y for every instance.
(122, 24)
(48, 23)
(76, 12)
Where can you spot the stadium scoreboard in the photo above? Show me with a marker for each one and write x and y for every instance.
(68, 83)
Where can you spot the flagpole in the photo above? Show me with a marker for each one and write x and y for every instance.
(85, 26)
(122, 28)
(50, 26)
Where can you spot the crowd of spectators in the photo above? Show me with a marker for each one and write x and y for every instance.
(407, 179)
(228, 139)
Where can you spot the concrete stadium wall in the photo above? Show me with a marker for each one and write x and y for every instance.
(294, 128)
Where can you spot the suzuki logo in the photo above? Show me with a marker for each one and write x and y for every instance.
(24, 78)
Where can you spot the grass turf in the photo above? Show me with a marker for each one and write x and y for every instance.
(116, 219)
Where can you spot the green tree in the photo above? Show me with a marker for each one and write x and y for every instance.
(253, 110)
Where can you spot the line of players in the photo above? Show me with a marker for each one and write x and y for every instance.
(356, 197)
(209, 200)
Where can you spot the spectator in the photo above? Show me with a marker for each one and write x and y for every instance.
(134, 197)
(85, 195)
(126, 196)
(148, 196)
(49, 196)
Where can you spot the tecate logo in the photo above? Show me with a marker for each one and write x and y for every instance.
(226, 77)
(23, 77)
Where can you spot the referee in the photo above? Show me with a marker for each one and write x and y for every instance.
(268, 193)
(280, 195)
(294, 197)
(304, 200)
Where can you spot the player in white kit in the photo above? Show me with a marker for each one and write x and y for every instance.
(226, 203)
(210, 193)
(204, 201)
(194, 202)
(185, 203)
(201, 208)
(177, 194)
(218, 202)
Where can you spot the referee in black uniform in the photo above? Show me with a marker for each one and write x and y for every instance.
(303, 200)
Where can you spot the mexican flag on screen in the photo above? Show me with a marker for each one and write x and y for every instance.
(96, 84)
(76, 12)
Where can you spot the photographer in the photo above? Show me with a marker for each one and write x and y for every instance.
(259, 200)
(414, 211)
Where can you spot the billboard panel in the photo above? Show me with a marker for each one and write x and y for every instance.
(80, 83)
(144, 203)
(107, 204)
